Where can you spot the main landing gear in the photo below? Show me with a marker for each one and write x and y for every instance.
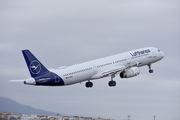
(89, 84)
(150, 70)
(112, 83)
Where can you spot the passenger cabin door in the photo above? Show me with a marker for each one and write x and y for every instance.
(154, 54)
(128, 59)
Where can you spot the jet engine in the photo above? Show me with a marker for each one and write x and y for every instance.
(134, 71)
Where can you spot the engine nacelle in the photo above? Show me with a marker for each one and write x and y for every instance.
(134, 71)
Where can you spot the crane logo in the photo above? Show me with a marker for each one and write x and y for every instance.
(35, 67)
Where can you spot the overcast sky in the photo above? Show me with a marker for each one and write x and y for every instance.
(63, 33)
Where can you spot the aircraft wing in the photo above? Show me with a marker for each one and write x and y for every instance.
(133, 65)
(111, 71)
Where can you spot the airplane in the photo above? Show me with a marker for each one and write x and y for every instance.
(126, 65)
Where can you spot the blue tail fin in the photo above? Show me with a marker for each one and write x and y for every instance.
(36, 68)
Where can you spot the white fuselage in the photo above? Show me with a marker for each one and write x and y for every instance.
(96, 68)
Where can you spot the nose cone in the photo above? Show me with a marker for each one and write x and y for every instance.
(30, 81)
(162, 55)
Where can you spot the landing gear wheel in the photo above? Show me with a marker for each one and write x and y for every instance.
(112, 83)
(151, 71)
(89, 84)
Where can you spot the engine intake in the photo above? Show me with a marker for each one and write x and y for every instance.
(134, 71)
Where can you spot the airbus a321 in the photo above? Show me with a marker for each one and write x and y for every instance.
(125, 65)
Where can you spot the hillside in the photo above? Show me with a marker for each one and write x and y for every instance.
(8, 105)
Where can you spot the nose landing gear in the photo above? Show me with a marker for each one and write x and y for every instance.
(150, 70)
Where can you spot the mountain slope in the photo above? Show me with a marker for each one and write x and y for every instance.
(8, 105)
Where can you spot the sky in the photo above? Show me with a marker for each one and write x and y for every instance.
(64, 33)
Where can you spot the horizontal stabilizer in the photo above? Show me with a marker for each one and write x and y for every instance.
(17, 81)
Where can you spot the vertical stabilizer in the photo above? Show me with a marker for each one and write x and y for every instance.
(36, 68)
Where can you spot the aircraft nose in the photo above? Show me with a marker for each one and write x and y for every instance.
(162, 54)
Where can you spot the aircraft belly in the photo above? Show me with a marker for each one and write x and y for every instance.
(76, 78)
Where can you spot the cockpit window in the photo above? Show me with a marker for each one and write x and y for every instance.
(158, 50)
